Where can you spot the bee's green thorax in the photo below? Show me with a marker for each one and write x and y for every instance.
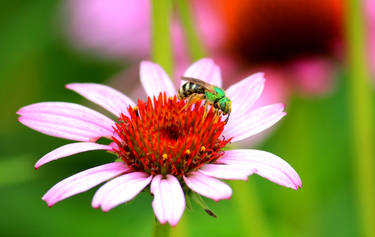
(215, 96)
(219, 92)
(210, 97)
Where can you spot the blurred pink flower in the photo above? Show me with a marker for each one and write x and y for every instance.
(114, 28)
(158, 143)
(370, 13)
(122, 28)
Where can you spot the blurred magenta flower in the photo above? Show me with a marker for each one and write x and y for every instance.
(158, 143)
(300, 41)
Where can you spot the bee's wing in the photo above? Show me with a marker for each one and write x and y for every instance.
(204, 84)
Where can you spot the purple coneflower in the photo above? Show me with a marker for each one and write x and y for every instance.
(176, 151)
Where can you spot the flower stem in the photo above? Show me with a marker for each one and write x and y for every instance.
(180, 230)
(250, 210)
(361, 105)
(161, 36)
(195, 46)
(160, 230)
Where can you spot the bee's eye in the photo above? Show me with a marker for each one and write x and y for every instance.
(223, 106)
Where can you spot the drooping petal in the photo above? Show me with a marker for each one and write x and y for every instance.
(155, 80)
(83, 181)
(169, 200)
(66, 120)
(206, 70)
(70, 149)
(253, 122)
(264, 164)
(105, 96)
(208, 186)
(223, 171)
(120, 190)
(245, 93)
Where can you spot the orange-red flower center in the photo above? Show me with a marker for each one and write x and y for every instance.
(163, 136)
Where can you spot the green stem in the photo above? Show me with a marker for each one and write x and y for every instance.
(249, 208)
(180, 230)
(301, 126)
(161, 36)
(196, 49)
(160, 230)
(361, 105)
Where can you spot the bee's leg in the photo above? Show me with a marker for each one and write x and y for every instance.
(218, 113)
(206, 103)
(191, 100)
(205, 110)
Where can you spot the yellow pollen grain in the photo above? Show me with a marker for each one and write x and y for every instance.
(165, 156)
(187, 152)
(203, 148)
(135, 108)
(170, 98)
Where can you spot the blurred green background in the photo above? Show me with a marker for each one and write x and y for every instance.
(36, 61)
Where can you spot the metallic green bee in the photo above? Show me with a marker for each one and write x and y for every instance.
(195, 90)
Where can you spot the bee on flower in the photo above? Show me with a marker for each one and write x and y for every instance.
(196, 90)
(158, 143)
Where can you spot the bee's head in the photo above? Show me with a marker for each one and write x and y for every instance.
(224, 105)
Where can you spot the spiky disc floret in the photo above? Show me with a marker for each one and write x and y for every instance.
(160, 137)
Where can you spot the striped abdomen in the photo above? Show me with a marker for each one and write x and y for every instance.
(190, 88)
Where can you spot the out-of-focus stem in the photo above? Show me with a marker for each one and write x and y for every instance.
(249, 209)
(361, 107)
(160, 230)
(180, 230)
(161, 36)
(196, 49)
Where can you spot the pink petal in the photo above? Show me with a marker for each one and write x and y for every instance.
(120, 190)
(107, 97)
(245, 93)
(253, 122)
(264, 164)
(169, 200)
(223, 171)
(205, 69)
(208, 186)
(70, 149)
(83, 181)
(66, 120)
(155, 80)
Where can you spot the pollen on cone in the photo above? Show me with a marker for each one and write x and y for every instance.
(163, 136)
